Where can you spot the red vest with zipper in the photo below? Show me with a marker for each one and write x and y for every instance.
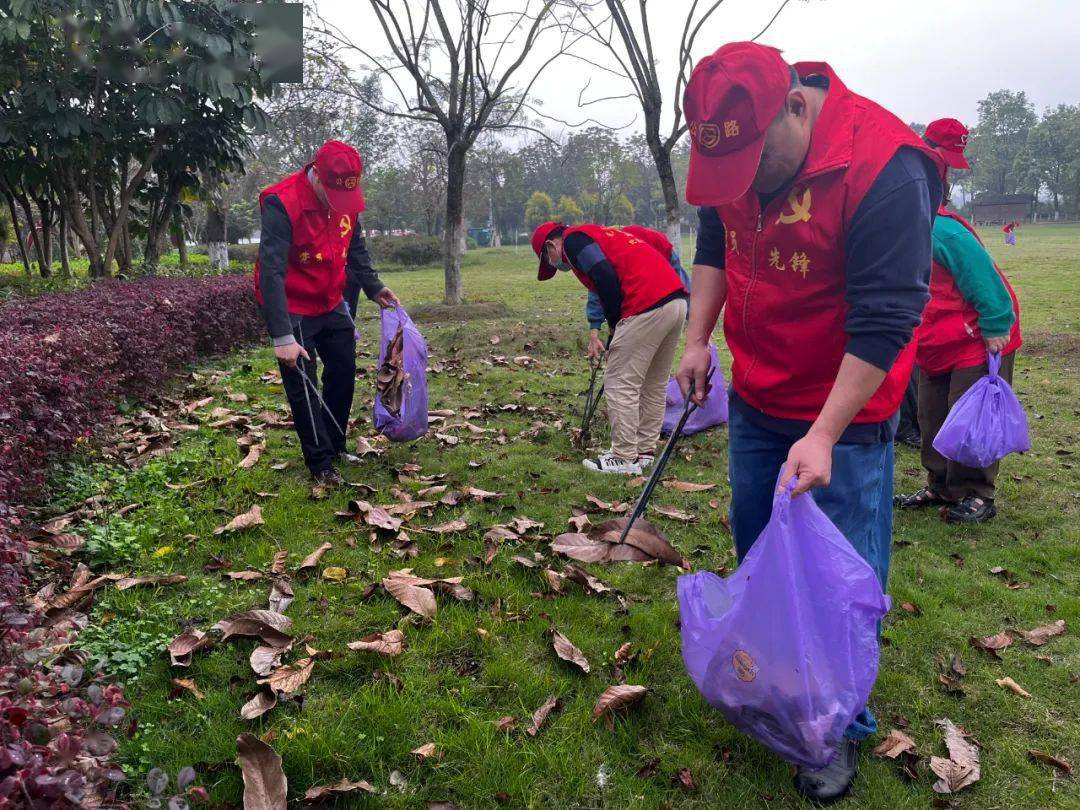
(645, 276)
(949, 337)
(785, 266)
(315, 273)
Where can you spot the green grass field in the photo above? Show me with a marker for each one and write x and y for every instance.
(479, 661)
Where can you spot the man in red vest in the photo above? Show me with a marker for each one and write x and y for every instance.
(973, 312)
(644, 303)
(815, 219)
(311, 267)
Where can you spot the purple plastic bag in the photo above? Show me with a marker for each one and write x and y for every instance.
(412, 420)
(787, 646)
(985, 424)
(714, 412)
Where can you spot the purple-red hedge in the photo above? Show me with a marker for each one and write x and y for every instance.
(69, 358)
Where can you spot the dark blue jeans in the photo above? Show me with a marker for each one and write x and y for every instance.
(858, 500)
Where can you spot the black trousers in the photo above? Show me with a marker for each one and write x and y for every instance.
(328, 338)
(909, 408)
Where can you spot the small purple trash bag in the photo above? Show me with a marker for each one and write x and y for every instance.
(412, 421)
(985, 424)
(787, 646)
(714, 412)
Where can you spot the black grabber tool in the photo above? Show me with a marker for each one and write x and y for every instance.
(658, 466)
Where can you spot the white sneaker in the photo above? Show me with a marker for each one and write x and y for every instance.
(610, 463)
(645, 462)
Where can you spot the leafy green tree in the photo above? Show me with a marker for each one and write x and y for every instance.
(1005, 119)
(538, 209)
(622, 211)
(569, 212)
(1052, 152)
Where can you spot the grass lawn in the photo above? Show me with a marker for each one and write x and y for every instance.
(479, 661)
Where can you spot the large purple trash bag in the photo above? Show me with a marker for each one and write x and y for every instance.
(786, 646)
(412, 421)
(985, 424)
(714, 412)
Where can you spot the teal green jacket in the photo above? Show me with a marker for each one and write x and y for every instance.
(973, 270)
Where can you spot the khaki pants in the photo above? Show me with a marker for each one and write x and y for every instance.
(639, 364)
(937, 395)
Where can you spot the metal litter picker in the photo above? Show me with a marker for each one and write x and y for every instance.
(658, 466)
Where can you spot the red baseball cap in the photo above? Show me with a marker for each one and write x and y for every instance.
(540, 236)
(731, 98)
(949, 137)
(340, 167)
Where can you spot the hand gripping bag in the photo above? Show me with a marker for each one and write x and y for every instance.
(985, 424)
(401, 399)
(787, 646)
(714, 412)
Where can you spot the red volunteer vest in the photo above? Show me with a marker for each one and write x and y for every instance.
(645, 276)
(949, 335)
(785, 266)
(657, 240)
(315, 273)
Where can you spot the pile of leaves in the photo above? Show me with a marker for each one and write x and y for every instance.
(70, 358)
(391, 374)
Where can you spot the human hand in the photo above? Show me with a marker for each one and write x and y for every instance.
(810, 458)
(386, 299)
(995, 345)
(290, 353)
(694, 367)
(596, 348)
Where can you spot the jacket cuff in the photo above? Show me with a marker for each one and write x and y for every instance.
(877, 350)
(284, 340)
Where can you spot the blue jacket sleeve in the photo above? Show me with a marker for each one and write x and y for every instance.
(711, 239)
(888, 247)
(594, 312)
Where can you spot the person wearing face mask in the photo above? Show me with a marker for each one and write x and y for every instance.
(816, 208)
(644, 303)
(311, 267)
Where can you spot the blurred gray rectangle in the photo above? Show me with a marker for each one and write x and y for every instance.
(279, 39)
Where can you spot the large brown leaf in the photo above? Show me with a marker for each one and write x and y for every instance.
(252, 517)
(185, 645)
(687, 486)
(450, 527)
(521, 525)
(320, 793)
(265, 660)
(312, 559)
(896, 743)
(417, 599)
(642, 535)
(579, 546)
(620, 696)
(568, 652)
(962, 767)
(1012, 686)
(281, 595)
(244, 576)
(591, 584)
(540, 716)
(993, 644)
(378, 517)
(265, 785)
(290, 678)
(673, 513)
(390, 643)
(390, 376)
(265, 624)
(134, 582)
(1054, 762)
(1040, 635)
(259, 705)
(277, 565)
(472, 493)
(254, 453)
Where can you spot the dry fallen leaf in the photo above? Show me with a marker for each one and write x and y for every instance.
(312, 559)
(254, 453)
(277, 566)
(265, 624)
(521, 525)
(244, 576)
(506, 723)
(1040, 635)
(993, 644)
(252, 517)
(390, 643)
(1054, 762)
(614, 698)
(673, 513)
(426, 751)
(281, 595)
(962, 767)
(259, 705)
(452, 526)
(591, 584)
(265, 660)
(687, 486)
(184, 645)
(290, 678)
(568, 652)
(320, 793)
(418, 600)
(1012, 686)
(265, 785)
(335, 573)
(896, 743)
(189, 685)
(132, 582)
(540, 715)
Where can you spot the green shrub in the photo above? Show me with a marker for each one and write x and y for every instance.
(406, 251)
(471, 244)
(244, 253)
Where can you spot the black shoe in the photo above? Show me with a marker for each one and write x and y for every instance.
(832, 782)
(328, 477)
(912, 440)
(919, 500)
(971, 509)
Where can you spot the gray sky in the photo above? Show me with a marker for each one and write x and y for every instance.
(922, 59)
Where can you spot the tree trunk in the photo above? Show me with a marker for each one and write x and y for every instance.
(65, 261)
(454, 234)
(216, 240)
(181, 238)
(15, 228)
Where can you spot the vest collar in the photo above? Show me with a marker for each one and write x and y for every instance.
(832, 141)
(309, 201)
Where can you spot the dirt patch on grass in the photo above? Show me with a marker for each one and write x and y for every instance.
(442, 313)
(1063, 345)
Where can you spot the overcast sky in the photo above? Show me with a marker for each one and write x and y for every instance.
(922, 59)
